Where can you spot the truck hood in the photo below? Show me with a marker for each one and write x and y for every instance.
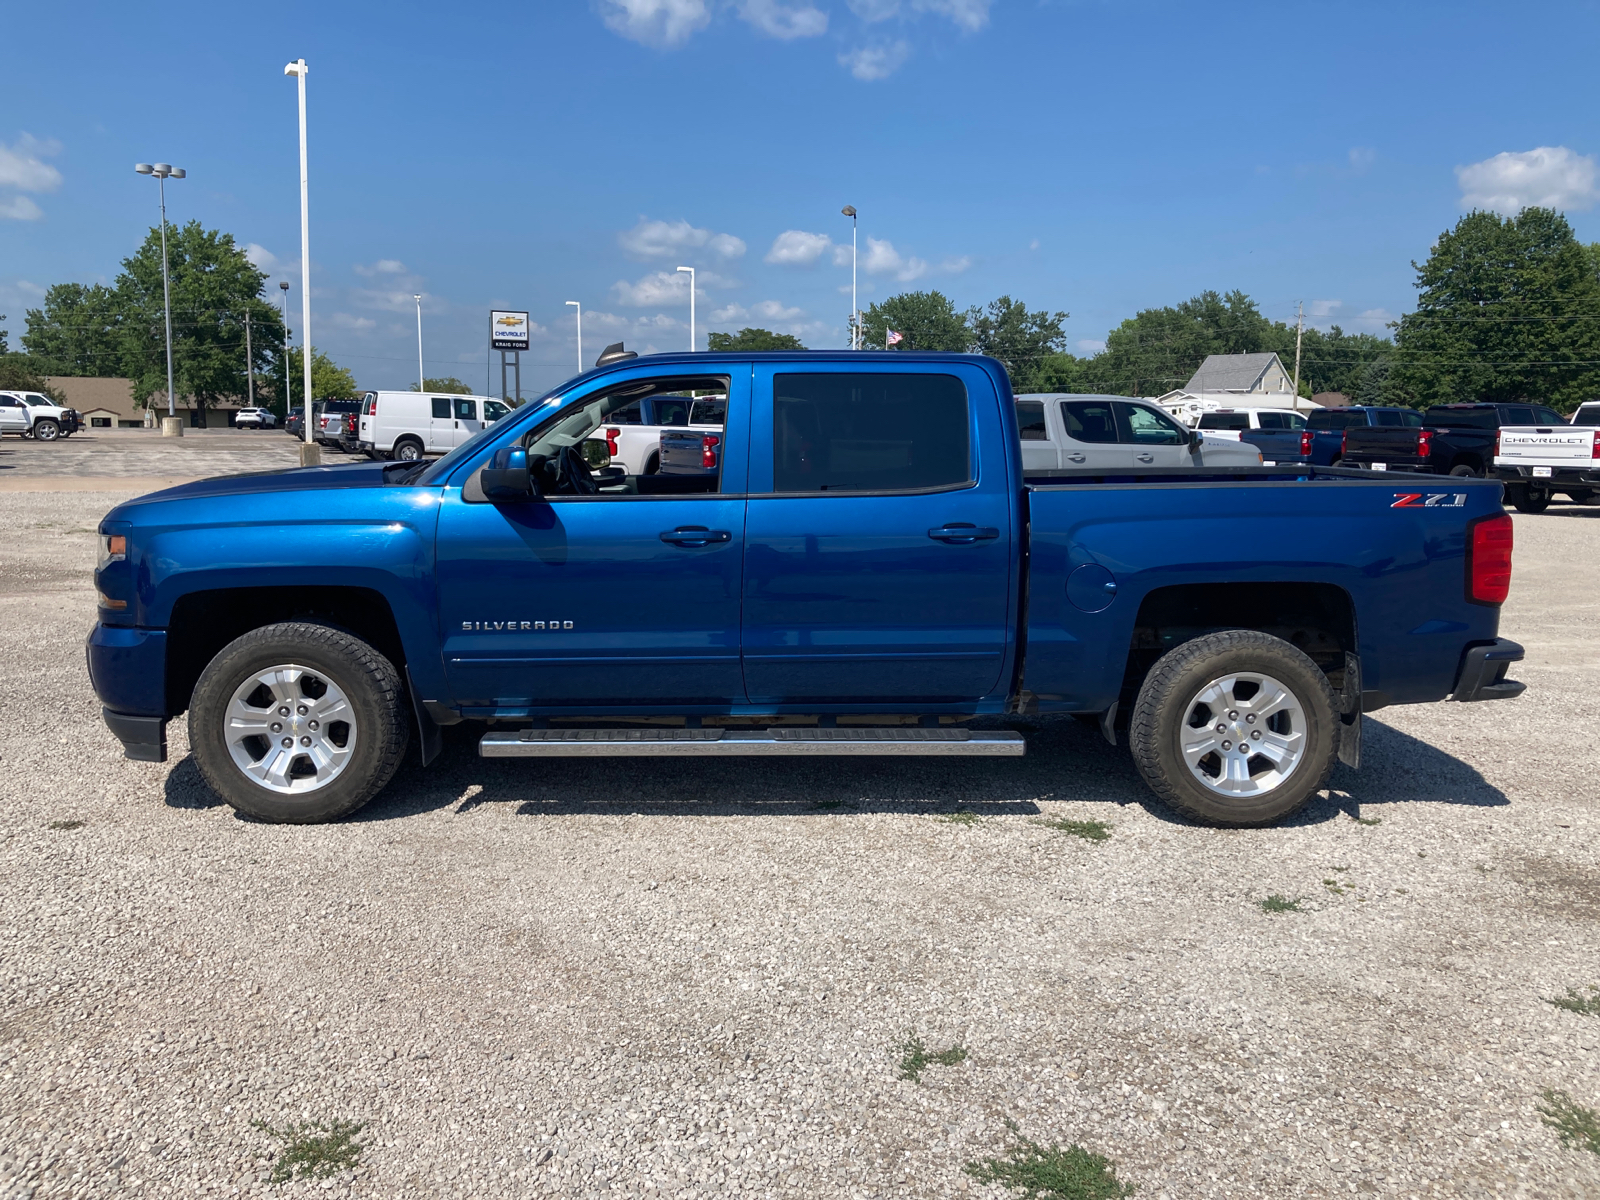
(292, 479)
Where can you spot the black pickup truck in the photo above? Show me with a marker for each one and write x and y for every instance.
(1454, 439)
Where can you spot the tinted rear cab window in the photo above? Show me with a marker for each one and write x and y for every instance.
(1463, 418)
(1225, 421)
(869, 433)
(1030, 421)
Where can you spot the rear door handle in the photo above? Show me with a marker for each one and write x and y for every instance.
(695, 535)
(1077, 458)
(1144, 458)
(959, 534)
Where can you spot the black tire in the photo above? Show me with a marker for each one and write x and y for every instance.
(1528, 500)
(652, 465)
(407, 449)
(369, 682)
(1463, 471)
(46, 430)
(1581, 495)
(1167, 707)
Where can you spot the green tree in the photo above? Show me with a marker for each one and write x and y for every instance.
(448, 384)
(924, 320)
(330, 381)
(1508, 309)
(213, 286)
(753, 339)
(19, 372)
(79, 331)
(1020, 339)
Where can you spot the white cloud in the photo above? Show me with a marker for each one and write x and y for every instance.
(391, 301)
(1322, 309)
(729, 313)
(20, 208)
(883, 259)
(954, 266)
(782, 20)
(1362, 158)
(1550, 177)
(1375, 319)
(384, 266)
(774, 310)
(672, 239)
(1090, 346)
(795, 247)
(354, 324)
(970, 15)
(1033, 245)
(659, 23)
(869, 63)
(21, 166)
(659, 287)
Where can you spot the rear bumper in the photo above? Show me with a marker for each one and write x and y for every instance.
(128, 668)
(1557, 476)
(1365, 461)
(1483, 672)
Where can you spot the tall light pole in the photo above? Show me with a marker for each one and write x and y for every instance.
(309, 456)
(288, 383)
(163, 171)
(692, 344)
(422, 382)
(579, 307)
(849, 210)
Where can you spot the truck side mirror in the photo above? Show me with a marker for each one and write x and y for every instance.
(507, 478)
(1196, 440)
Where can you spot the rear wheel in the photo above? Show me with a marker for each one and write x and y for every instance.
(1528, 500)
(1581, 495)
(653, 465)
(408, 449)
(1237, 728)
(298, 723)
(46, 430)
(1462, 470)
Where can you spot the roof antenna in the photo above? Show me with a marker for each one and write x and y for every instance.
(614, 353)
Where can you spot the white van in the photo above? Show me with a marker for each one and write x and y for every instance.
(407, 425)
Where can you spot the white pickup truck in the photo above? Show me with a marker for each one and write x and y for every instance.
(1064, 431)
(1537, 461)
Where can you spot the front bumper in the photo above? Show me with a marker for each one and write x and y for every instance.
(1483, 672)
(128, 669)
(1557, 477)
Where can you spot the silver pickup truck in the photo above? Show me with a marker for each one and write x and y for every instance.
(1537, 461)
(1062, 431)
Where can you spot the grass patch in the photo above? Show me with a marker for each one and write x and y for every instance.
(1089, 831)
(1574, 1124)
(1369, 820)
(1276, 904)
(1038, 1173)
(917, 1058)
(67, 824)
(959, 818)
(1334, 886)
(313, 1150)
(1589, 1005)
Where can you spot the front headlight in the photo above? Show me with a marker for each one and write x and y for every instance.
(113, 548)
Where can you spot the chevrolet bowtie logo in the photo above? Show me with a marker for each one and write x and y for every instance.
(512, 626)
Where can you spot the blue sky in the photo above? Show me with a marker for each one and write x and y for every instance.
(1093, 157)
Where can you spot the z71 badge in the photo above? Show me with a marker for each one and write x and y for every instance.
(1429, 500)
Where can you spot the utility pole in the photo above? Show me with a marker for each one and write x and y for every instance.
(1299, 328)
(249, 359)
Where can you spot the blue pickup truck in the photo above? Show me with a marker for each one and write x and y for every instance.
(867, 570)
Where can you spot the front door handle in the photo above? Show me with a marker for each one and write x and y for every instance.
(695, 535)
(1077, 458)
(960, 534)
(1146, 457)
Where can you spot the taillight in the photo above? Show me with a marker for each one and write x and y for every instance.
(1424, 443)
(1344, 443)
(1595, 453)
(1305, 443)
(708, 450)
(611, 441)
(1489, 559)
(1497, 443)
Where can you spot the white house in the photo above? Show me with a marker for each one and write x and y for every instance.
(1232, 381)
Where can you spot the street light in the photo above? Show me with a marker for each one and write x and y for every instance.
(308, 456)
(422, 383)
(288, 385)
(691, 307)
(579, 307)
(849, 210)
(162, 172)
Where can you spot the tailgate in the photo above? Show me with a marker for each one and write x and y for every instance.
(1380, 444)
(1526, 445)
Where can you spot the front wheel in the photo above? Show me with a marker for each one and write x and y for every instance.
(1237, 729)
(298, 723)
(46, 430)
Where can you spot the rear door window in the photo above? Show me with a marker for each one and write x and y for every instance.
(1091, 421)
(869, 433)
(1518, 414)
(1030, 421)
(1547, 416)
(441, 408)
(466, 410)
(1272, 420)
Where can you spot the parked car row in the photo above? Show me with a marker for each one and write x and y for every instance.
(1537, 461)
(35, 415)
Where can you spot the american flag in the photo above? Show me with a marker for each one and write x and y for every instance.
(892, 338)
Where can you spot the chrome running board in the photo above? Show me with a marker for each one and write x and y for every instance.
(547, 743)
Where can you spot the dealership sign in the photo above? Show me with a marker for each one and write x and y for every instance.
(508, 330)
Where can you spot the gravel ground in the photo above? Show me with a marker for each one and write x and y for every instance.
(689, 978)
(137, 454)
